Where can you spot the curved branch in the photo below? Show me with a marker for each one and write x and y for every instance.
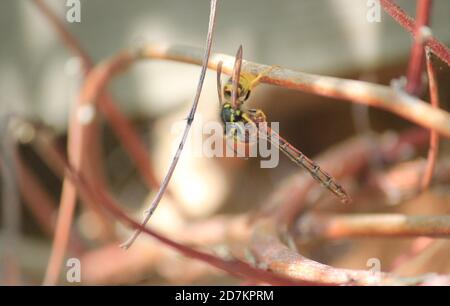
(384, 97)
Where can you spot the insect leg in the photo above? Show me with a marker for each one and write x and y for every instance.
(255, 82)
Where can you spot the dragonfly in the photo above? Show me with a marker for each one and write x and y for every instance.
(231, 99)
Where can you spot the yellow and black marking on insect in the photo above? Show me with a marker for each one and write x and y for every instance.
(231, 97)
(233, 94)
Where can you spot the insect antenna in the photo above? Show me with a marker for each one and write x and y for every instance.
(149, 212)
(235, 78)
(219, 83)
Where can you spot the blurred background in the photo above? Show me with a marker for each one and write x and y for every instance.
(40, 78)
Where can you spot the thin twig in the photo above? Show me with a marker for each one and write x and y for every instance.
(190, 119)
(434, 138)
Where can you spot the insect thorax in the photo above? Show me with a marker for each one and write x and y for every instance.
(229, 114)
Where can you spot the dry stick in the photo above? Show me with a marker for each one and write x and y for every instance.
(409, 24)
(415, 68)
(434, 139)
(190, 119)
(338, 226)
(395, 101)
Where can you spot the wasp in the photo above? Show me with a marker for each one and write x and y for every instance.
(234, 94)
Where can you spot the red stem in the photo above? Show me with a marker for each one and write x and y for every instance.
(415, 68)
(434, 139)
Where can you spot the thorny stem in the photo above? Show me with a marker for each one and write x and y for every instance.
(190, 119)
